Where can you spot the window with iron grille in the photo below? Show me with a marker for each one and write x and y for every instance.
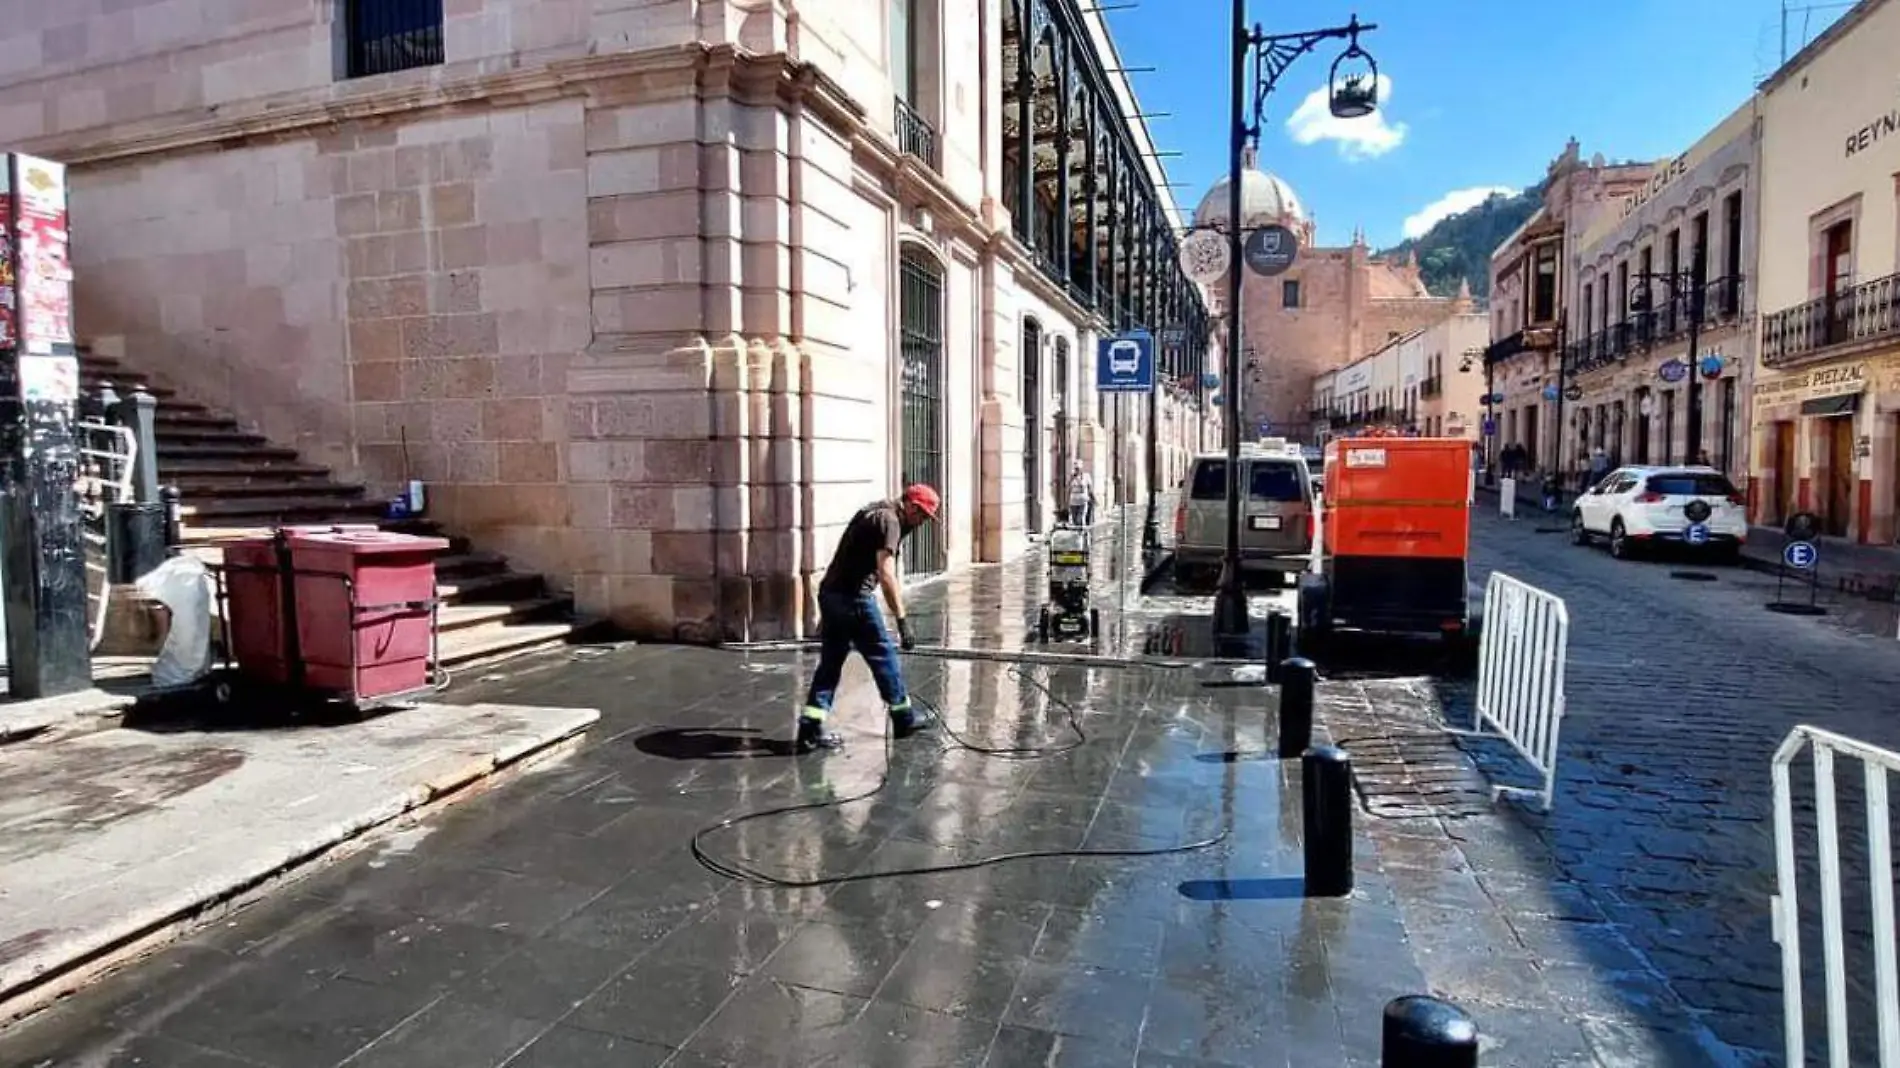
(384, 36)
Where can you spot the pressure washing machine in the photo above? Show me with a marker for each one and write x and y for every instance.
(1067, 615)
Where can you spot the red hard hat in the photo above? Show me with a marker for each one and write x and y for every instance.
(924, 497)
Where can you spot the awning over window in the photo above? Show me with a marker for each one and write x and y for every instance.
(1843, 404)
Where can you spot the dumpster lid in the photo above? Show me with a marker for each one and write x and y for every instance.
(366, 540)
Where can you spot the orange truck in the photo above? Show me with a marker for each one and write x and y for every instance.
(1395, 532)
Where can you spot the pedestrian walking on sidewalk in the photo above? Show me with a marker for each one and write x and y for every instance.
(1081, 498)
(848, 617)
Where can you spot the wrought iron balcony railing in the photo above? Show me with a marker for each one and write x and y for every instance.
(1499, 351)
(1867, 312)
(1431, 387)
(915, 137)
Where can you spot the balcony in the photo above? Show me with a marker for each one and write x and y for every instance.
(1499, 351)
(1431, 387)
(1867, 312)
(915, 137)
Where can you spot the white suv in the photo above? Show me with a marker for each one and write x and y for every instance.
(1638, 507)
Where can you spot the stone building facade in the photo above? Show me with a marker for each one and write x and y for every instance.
(1633, 301)
(652, 293)
(1531, 274)
(1427, 383)
(1331, 307)
(1826, 399)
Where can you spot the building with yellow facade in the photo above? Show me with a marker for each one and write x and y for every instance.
(1677, 253)
(1826, 396)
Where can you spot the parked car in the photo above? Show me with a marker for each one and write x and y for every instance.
(1277, 515)
(1634, 508)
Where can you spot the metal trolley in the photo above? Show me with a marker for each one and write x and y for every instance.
(1067, 615)
(230, 680)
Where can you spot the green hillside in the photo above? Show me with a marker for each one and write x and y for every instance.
(1459, 247)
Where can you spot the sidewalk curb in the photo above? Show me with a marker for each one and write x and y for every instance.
(59, 967)
(74, 713)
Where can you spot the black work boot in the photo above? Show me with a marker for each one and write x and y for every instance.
(907, 719)
(813, 737)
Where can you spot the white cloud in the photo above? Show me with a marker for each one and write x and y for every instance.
(1451, 204)
(1358, 139)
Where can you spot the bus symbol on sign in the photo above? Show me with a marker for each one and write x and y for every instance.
(1800, 555)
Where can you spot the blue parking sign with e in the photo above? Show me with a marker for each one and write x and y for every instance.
(1698, 533)
(1125, 363)
(1800, 555)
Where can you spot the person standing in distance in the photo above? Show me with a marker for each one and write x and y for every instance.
(848, 616)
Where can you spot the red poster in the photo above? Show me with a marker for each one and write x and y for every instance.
(44, 272)
(7, 335)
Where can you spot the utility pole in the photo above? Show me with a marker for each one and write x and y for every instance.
(1353, 96)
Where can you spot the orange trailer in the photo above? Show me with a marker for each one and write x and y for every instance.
(1395, 534)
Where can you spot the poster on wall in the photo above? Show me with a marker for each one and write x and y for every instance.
(8, 338)
(43, 266)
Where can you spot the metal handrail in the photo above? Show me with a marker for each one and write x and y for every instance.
(915, 136)
(1863, 312)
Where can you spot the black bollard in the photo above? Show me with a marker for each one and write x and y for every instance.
(1298, 675)
(1326, 812)
(1424, 1032)
(1279, 642)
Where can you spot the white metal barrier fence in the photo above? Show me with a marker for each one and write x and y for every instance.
(1876, 765)
(1521, 656)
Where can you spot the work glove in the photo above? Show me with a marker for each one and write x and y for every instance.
(904, 637)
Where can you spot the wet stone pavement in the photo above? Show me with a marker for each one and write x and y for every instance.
(562, 920)
(1679, 693)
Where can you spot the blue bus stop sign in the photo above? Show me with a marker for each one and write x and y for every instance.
(1800, 555)
(1125, 364)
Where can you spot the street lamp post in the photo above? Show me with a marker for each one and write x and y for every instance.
(1354, 96)
(1677, 281)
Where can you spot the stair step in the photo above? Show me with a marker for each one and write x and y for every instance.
(500, 586)
(223, 451)
(464, 616)
(300, 509)
(484, 645)
(198, 489)
(214, 475)
(173, 415)
(465, 566)
(183, 434)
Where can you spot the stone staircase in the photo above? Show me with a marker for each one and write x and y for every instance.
(234, 484)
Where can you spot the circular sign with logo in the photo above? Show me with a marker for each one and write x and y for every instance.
(1270, 250)
(1205, 256)
(1574, 393)
(1673, 371)
(1802, 526)
(1712, 365)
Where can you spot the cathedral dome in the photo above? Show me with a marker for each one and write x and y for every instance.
(1264, 199)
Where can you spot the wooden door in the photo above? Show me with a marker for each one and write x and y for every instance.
(1839, 282)
(1840, 475)
(1786, 498)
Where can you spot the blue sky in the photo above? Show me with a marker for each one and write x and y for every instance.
(1481, 94)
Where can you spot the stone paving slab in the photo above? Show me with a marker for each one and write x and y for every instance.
(89, 709)
(561, 920)
(108, 837)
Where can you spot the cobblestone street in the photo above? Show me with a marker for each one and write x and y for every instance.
(1679, 693)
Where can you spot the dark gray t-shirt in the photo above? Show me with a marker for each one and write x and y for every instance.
(876, 528)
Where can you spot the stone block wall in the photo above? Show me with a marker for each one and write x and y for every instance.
(395, 300)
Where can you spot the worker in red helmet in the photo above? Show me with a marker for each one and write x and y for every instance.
(848, 616)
